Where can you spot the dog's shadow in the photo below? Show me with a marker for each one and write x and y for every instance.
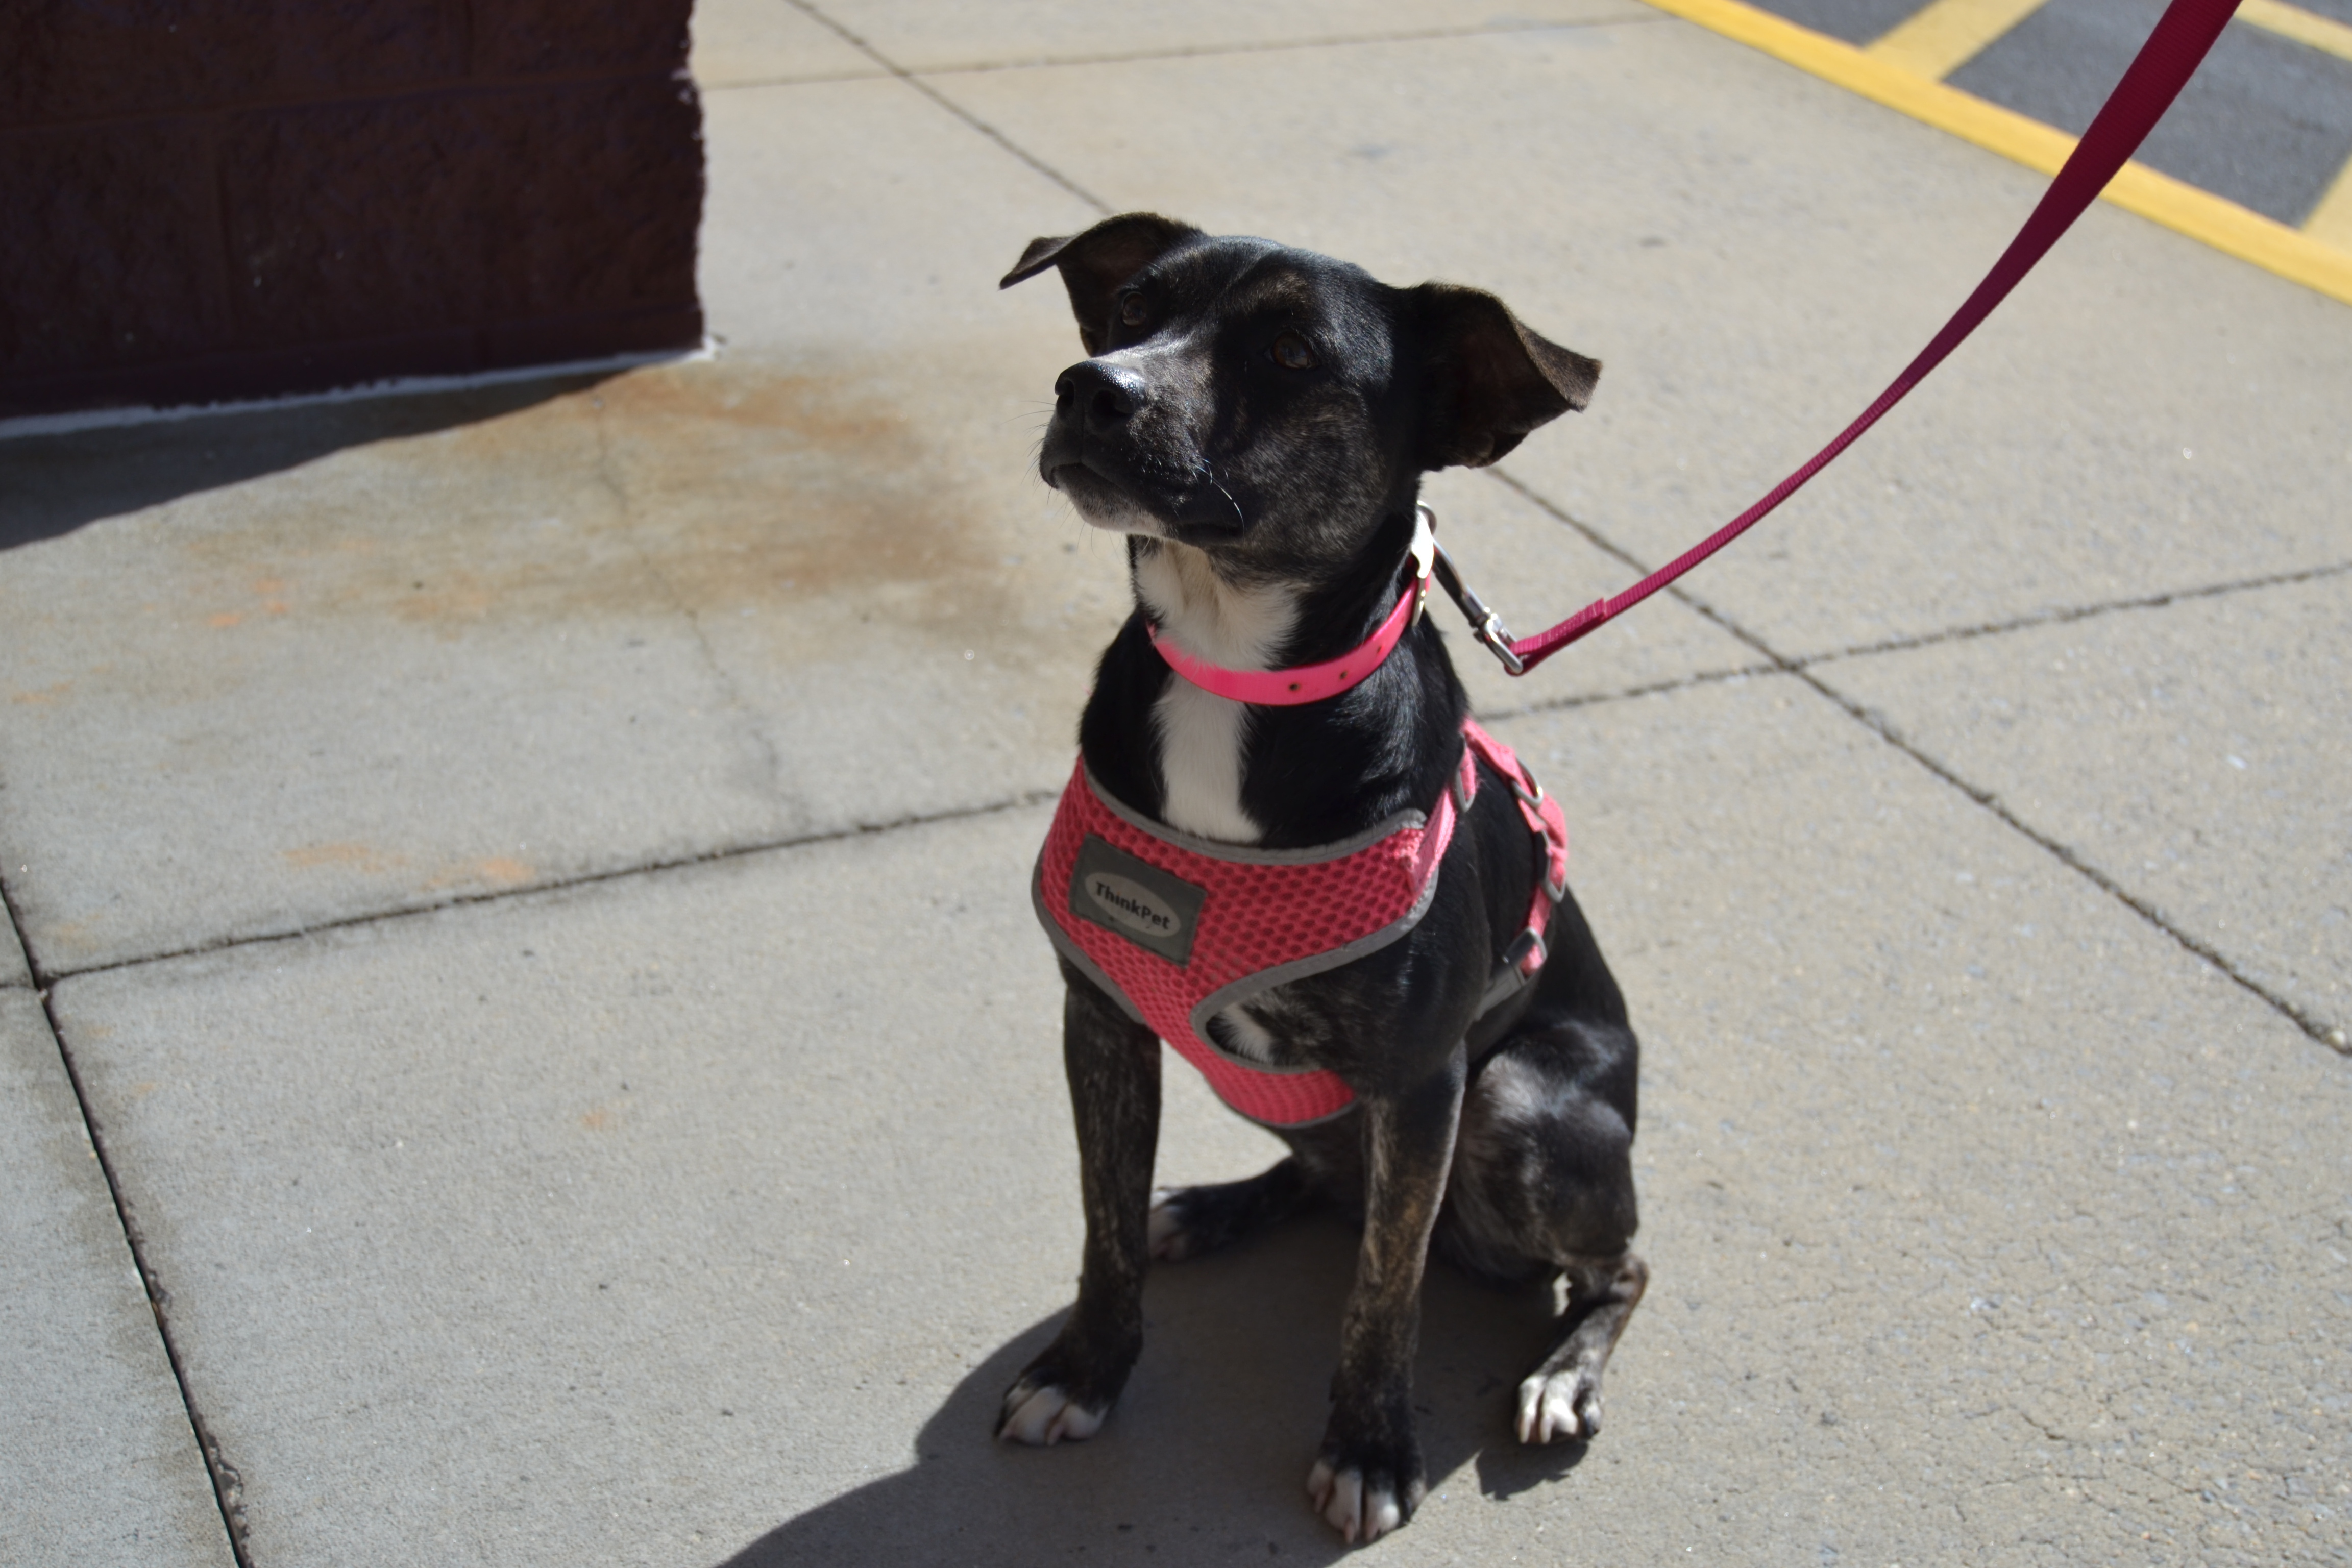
(1206, 1455)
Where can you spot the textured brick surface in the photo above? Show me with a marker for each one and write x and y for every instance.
(353, 220)
(346, 45)
(605, 189)
(350, 220)
(531, 37)
(224, 199)
(112, 254)
(64, 60)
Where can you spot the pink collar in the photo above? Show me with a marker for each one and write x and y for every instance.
(1314, 682)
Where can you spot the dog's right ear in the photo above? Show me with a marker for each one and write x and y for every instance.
(1094, 264)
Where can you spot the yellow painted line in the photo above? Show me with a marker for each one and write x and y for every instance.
(1949, 34)
(2225, 226)
(2330, 222)
(2323, 33)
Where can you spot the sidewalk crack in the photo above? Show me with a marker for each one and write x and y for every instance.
(611, 484)
(1021, 801)
(2333, 1037)
(227, 1481)
(1277, 45)
(975, 121)
(2067, 615)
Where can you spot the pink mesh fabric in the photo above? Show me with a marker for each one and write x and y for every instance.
(1253, 916)
(1544, 819)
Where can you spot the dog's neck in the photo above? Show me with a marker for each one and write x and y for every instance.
(1202, 737)
(1196, 751)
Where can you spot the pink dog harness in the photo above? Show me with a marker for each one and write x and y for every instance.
(1178, 928)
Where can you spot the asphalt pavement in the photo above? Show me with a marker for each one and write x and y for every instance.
(530, 1046)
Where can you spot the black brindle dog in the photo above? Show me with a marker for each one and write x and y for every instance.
(1256, 420)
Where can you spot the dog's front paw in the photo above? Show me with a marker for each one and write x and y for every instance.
(1042, 1413)
(1564, 1404)
(1068, 1390)
(1363, 1498)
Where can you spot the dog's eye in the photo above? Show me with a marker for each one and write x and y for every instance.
(1292, 351)
(1133, 311)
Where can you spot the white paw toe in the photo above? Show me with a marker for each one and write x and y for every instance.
(1045, 1417)
(1348, 1506)
(1167, 1227)
(1548, 1408)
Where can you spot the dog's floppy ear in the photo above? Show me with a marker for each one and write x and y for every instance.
(1490, 379)
(1094, 264)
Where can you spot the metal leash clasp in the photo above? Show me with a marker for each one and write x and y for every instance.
(1423, 553)
(1485, 624)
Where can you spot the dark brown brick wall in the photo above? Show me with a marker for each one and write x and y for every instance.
(215, 198)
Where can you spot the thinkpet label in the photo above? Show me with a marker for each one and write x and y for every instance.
(1137, 900)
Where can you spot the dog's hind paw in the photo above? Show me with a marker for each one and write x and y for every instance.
(1043, 1414)
(1359, 1511)
(1170, 1238)
(1559, 1405)
(1189, 1221)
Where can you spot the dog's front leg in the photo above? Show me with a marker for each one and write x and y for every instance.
(1113, 1064)
(1368, 1478)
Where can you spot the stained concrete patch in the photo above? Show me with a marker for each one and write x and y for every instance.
(104, 1468)
(2197, 754)
(705, 1215)
(1754, 254)
(360, 683)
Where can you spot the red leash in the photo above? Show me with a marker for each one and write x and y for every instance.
(2156, 75)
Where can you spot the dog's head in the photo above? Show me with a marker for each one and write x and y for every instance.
(1272, 406)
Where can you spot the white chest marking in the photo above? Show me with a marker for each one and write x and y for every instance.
(1202, 735)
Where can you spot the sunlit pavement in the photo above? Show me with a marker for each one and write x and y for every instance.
(528, 887)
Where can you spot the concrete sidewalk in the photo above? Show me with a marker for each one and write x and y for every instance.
(524, 892)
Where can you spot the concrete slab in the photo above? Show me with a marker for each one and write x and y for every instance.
(741, 42)
(703, 1216)
(1754, 254)
(1966, 1190)
(13, 970)
(916, 36)
(104, 1468)
(2195, 754)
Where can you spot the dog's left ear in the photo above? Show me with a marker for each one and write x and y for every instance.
(1490, 379)
(1094, 264)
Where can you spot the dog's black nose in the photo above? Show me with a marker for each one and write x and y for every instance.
(1104, 396)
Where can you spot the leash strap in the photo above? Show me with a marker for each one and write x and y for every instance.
(2172, 53)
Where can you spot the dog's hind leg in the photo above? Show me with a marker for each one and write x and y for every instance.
(1561, 1397)
(1187, 1222)
(1113, 1064)
(1543, 1185)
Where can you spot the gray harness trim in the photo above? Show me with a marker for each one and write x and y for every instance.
(1505, 982)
